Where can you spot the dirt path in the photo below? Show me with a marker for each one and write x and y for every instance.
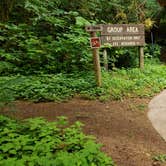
(122, 126)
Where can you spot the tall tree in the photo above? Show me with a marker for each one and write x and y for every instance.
(6, 7)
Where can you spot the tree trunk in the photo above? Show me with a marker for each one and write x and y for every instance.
(6, 7)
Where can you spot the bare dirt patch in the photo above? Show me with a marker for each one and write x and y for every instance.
(121, 126)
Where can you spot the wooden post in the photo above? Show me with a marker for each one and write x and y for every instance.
(141, 57)
(96, 61)
(105, 59)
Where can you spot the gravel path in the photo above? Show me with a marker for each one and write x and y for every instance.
(157, 113)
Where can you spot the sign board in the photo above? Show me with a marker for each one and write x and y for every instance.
(123, 41)
(94, 28)
(123, 35)
(118, 35)
(95, 42)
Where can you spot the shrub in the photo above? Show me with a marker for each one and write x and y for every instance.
(38, 142)
(152, 51)
(116, 85)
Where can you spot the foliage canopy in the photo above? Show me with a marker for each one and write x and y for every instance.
(39, 36)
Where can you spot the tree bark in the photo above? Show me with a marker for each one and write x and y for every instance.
(6, 7)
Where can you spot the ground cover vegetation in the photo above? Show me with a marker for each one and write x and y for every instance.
(161, 158)
(117, 84)
(38, 142)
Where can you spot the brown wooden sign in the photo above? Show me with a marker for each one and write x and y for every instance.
(123, 35)
(118, 35)
(123, 41)
(126, 29)
(94, 28)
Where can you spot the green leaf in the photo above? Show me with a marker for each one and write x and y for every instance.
(80, 21)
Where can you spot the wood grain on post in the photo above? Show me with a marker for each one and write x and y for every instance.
(141, 57)
(96, 61)
(105, 59)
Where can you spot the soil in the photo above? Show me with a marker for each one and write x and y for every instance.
(163, 54)
(121, 126)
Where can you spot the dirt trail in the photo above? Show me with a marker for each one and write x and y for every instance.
(121, 126)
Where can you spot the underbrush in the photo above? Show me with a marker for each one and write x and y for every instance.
(117, 84)
(135, 82)
(37, 142)
(160, 158)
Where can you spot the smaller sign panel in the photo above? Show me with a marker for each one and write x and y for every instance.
(95, 42)
(124, 40)
(94, 28)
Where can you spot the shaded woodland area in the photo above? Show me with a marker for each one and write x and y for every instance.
(49, 37)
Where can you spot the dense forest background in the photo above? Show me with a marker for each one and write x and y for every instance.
(39, 36)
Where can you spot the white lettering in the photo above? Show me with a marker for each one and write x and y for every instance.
(132, 29)
(114, 29)
(115, 43)
(128, 43)
(137, 37)
(122, 38)
(108, 38)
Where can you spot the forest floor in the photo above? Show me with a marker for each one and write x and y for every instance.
(121, 126)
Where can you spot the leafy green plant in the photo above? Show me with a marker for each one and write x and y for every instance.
(161, 158)
(116, 84)
(49, 37)
(152, 51)
(45, 39)
(38, 142)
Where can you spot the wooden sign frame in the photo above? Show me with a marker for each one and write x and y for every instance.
(118, 35)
